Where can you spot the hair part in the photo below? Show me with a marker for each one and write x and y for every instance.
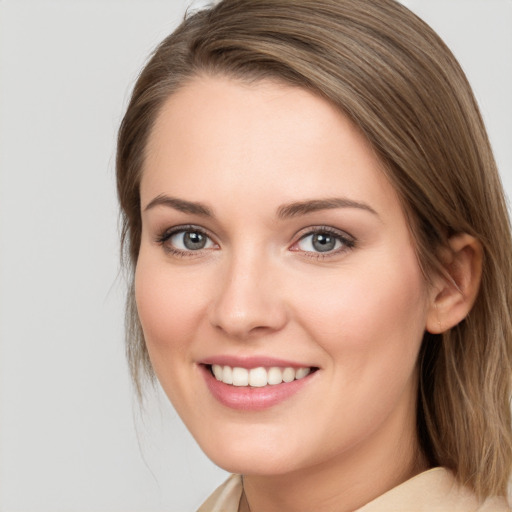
(398, 82)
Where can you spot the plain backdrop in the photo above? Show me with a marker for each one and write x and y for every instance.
(71, 435)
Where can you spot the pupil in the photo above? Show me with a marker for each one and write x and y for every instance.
(194, 241)
(323, 242)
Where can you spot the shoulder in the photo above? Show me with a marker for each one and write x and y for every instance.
(435, 490)
(225, 498)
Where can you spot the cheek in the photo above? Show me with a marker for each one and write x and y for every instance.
(368, 311)
(168, 305)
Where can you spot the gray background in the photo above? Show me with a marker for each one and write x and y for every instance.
(71, 436)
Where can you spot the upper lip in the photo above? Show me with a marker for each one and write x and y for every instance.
(249, 362)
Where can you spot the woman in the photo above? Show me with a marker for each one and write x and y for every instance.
(319, 246)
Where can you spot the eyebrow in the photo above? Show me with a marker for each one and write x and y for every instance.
(180, 205)
(283, 212)
(305, 207)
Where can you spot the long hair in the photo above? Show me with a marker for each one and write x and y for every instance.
(398, 82)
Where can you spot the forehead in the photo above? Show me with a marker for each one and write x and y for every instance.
(220, 138)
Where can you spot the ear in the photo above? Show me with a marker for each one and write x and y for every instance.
(454, 292)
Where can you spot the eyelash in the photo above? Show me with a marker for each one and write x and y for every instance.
(166, 235)
(348, 242)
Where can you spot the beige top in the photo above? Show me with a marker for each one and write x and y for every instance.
(434, 490)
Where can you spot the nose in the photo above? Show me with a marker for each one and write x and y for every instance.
(249, 300)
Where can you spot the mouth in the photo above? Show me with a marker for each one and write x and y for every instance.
(258, 377)
(257, 388)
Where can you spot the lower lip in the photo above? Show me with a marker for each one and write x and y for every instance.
(247, 398)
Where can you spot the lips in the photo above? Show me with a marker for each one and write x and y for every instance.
(256, 383)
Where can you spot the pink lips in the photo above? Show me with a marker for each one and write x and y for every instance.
(248, 398)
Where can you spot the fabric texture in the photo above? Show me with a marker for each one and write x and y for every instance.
(435, 490)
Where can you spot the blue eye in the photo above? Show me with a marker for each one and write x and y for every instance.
(190, 241)
(186, 240)
(324, 241)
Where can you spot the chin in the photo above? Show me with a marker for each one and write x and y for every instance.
(251, 464)
(257, 450)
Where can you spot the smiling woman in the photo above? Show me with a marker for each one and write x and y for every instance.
(320, 253)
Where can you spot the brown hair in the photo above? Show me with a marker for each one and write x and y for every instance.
(399, 83)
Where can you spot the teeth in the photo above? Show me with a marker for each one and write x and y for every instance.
(274, 376)
(227, 375)
(240, 377)
(288, 374)
(217, 371)
(258, 377)
(301, 373)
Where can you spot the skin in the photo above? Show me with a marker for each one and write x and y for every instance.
(258, 288)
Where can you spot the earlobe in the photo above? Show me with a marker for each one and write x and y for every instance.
(454, 292)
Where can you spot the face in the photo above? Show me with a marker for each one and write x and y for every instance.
(275, 255)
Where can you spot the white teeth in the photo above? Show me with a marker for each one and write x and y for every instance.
(217, 371)
(258, 377)
(240, 377)
(302, 372)
(227, 375)
(275, 376)
(288, 374)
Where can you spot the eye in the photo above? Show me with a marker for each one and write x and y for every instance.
(190, 241)
(184, 240)
(324, 241)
